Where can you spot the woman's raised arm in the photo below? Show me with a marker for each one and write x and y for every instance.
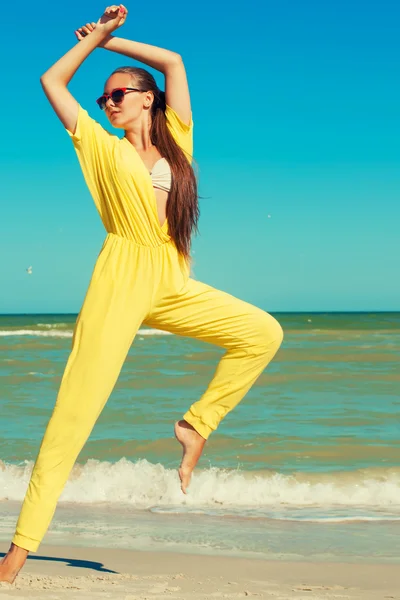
(167, 62)
(55, 80)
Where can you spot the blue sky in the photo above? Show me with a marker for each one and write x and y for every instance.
(296, 110)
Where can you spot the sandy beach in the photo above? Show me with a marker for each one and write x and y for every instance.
(64, 572)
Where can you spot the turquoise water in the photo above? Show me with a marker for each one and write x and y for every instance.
(311, 452)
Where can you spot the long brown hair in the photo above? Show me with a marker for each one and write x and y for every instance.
(182, 206)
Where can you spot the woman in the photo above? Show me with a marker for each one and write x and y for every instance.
(145, 191)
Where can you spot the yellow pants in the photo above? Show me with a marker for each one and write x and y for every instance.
(134, 284)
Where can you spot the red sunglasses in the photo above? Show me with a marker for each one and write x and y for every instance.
(116, 96)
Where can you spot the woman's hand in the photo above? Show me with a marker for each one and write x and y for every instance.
(85, 30)
(113, 17)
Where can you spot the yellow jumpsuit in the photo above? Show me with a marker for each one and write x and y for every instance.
(139, 277)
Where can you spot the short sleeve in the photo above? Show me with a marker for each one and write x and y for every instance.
(94, 147)
(181, 132)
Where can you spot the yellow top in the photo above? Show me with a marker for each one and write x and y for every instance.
(119, 181)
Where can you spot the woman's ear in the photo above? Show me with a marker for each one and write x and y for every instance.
(148, 99)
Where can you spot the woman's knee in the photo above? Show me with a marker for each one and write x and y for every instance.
(267, 333)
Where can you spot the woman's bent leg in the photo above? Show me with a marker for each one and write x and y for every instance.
(251, 337)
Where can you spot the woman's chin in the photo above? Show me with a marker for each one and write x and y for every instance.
(115, 120)
(117, 125)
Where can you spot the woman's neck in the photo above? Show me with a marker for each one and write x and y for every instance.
(141, 140)
(138, 134)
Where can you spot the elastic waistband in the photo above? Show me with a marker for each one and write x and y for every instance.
(169, 248)
(131, 241)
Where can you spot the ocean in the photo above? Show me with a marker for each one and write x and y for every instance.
(307, 467)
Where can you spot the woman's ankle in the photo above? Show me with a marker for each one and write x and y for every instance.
(17, 554)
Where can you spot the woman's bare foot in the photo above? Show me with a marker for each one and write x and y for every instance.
(12, 563)
(192, 444)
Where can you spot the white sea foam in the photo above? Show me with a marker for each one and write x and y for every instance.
(153, 332)
(53, 325)
(36, 333)
(369, 494)
(66, 334)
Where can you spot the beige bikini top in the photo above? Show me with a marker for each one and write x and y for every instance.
(161, 175)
